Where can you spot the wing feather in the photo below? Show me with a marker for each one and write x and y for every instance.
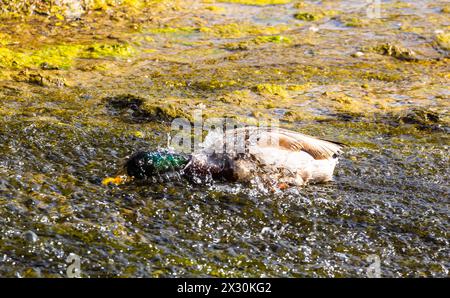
(293, 141)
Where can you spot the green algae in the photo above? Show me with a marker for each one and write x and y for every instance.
(216, 9)
(248, 44)
(306, 16)
(108, 50)
(396, 51)
(271, 90)
(353, 22)
(316, 15)
(5, 39)
(174, 30)
(40, 79)
(168, 111)
(300, 116)
(257, 2)
(231, 30)
(105, 4)
(237, 97)
(274, 39)
(61, 56)
(237, 46)
(443, 39)
(238, 30)
(66, 8)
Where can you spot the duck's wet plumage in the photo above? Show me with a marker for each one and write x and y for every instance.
(145, 164)
(273, 155)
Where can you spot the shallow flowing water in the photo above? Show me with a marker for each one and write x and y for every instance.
(80, 95)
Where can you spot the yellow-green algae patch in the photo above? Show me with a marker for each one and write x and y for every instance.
(257, 2)
(396, 51)
(168, 111)
(39, 79)
(61, 56)
(108, 50)
(5, 39)
(247, 44)
(67, 8)
(306, 16)
(173, 30)
(224, 30)
(353, 22)
(237, 97)
(237, 30)
(273, 38)
(314, 15)
(216, 9)
(271, 90)
(443, 39)
(105, 4)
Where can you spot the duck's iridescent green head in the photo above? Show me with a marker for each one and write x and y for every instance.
(145, 164)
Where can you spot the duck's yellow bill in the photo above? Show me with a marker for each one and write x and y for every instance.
(118, 180)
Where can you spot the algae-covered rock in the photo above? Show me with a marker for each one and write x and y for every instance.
(314, 15)
(134, 109)
(257, 2)
(293, 116)
(61, 9)
(211, 85)
(58, 8)
(306, 16)
(396, 51)
(352, 22)
(237, 46)
(124, 101)
(108, 50)
(443, 40)
(239, 30)
(36, 78)
(5, 39)
(418, 118)
(247, 44)
(422, 117)
(237, 97)
(165, 111)
(272, 39)
(127, 107)
(271, 90)
(61, 56)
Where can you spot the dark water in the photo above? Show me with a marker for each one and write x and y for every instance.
(391, 202)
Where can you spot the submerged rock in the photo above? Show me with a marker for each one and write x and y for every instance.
(419, 117)
(30, 236)
(127, 106)
(396, 51)
(70, 9)
(135, 109)
(124, 101)
(315, 15)
(306, 16)
(443, 40)
(40, 79)
(422, 117)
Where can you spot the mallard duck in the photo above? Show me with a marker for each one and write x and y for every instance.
(275, 156)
